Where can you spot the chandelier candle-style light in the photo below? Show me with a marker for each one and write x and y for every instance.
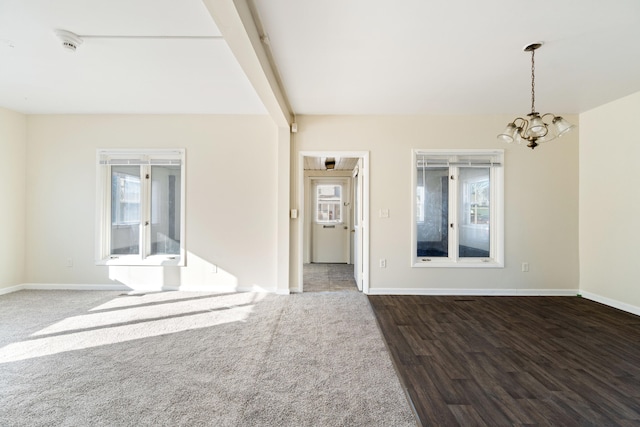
(534, 129)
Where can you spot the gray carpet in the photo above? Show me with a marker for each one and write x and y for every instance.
(195, 359)
(328, 277)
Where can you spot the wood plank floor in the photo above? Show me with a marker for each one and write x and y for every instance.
(500, 361)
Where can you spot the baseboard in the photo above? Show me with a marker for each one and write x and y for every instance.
(10, 289)
(611, 303)
(473, 292)
(547, 292)
(221, 289)
(121, 287)
(73, 287)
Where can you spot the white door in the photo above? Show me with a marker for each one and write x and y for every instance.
(330, 224)
(357, 226)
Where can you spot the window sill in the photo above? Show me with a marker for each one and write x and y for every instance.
(159, 260)
(441, 263)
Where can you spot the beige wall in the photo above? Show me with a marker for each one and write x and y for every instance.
(541, 200)
(610, 201)
(239, 235)
(13, 145)
(231, 199)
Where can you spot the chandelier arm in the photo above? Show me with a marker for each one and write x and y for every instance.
(522, 121)
(523, 126)
(553, 116)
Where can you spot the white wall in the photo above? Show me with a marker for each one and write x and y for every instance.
(610, 202)
(13, 146)
(541, 208)
(231, 198)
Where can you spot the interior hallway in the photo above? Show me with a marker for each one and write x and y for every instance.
(328, 278)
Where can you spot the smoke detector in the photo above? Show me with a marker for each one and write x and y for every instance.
(70, 41)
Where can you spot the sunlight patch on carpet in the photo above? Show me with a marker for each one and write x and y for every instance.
(117, 325)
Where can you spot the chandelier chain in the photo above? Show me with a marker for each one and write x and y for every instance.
(533, 82)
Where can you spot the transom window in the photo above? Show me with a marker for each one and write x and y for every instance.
(140, 207)
(458, 211)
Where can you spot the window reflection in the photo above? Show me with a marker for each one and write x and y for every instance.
(125, 210)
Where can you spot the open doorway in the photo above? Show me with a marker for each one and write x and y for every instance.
(333, 226)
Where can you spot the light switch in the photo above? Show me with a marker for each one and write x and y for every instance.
(384, 213)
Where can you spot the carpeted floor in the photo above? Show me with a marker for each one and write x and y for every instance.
(328, 278)
(93, 358)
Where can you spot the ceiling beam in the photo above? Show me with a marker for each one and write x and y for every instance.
(236, 23)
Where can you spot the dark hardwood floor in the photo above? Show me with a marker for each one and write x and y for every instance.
(502, 361)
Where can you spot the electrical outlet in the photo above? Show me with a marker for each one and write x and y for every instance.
(383, 263)
(69, 262)
(525, 267)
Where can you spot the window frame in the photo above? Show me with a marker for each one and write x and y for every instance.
(496, 209)
(145, 158)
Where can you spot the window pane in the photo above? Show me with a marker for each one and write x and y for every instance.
(432, 206)
(329, 203)
(474, 213)
(165, 210)
(125, 210)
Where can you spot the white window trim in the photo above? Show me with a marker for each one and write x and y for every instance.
(317, 181)
(103, 208)
(496, 258)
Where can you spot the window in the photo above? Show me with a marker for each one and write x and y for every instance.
(458, 212)
(329, 202)
(140, 207)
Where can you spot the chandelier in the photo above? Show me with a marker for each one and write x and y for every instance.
(534, 129)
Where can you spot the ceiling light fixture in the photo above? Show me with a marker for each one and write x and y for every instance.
(330, 163)
(534, 129)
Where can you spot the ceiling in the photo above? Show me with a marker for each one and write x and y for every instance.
(332, 56)
(119, 75)
(454, 56)
(341, 163)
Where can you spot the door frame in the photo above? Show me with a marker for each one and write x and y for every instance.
(364, 170)
(356, 218)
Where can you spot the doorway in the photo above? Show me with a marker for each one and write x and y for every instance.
(333, 216)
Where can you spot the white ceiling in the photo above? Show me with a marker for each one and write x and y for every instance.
(341, 163)
(453, 56)
(118, 75)
(333, 56)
